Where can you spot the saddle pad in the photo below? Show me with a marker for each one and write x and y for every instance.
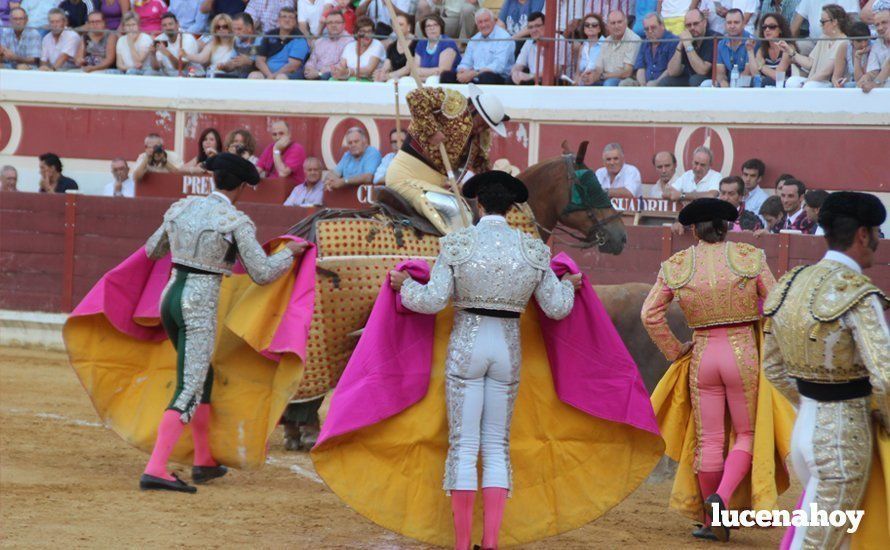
(362, 237)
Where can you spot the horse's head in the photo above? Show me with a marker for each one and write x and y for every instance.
(585, 209)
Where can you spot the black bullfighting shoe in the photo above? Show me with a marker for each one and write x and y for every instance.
(203, 474)
(704, 532)
(721, 532)
(152, 483)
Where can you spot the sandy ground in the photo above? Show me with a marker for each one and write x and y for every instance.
(66, 480)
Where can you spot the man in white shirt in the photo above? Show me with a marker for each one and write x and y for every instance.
(311, 191)
(122, 185)
(752, 175)
(811, 10)
(172, 48)
(309, 16)
(878, 66)
(699, 182)
(60, 45)
(526, 70)
(666, 166)
(619, 179)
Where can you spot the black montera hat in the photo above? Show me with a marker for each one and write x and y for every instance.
(866, 209)
(706, 210)
(238, 167)
(513, 185)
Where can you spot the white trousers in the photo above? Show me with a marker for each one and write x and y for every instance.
(831, 450)
(481, 382)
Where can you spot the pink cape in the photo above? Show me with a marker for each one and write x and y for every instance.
(390, 368)
(129, 297)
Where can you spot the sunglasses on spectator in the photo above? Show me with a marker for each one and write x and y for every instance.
(592, 25)
(221, 27)
(771, 27)
(823, 21)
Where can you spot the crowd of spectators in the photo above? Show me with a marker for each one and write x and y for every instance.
(742, 43)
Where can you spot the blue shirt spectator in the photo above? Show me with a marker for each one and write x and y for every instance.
(643, 8)
(430, 60)
(188, 12)
(514, 13)
(656, 62)
(278, 51)
(494, 52)
(351, 166)
(730, 55)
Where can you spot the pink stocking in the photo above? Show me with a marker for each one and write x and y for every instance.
(737, 466)
(168, 434)
(707, 484)
(201, 436)
(462, 508)
(494, 499)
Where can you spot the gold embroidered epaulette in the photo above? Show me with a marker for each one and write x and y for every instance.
(679, 268)
(454, 104)
(457, 247)
(839, 292)
(535, 251)
(777, 295)
(744, 260)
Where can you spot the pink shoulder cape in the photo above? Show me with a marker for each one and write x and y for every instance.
(390, 368)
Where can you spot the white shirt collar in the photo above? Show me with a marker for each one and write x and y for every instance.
(842, 258)
(497, 218)
(223, 197)
(793, 217)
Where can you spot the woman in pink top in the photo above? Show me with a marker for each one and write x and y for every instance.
(150, 12)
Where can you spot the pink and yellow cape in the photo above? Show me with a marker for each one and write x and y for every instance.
(121, 354)
(583, 437)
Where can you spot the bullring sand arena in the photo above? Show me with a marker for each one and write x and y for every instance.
(67, 481)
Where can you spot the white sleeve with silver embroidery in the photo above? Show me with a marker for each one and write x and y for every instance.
(262, 269)
(158, 245)
(556, 298)
(873, 343)
(432, 297)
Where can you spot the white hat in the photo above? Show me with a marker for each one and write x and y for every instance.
(490, 109)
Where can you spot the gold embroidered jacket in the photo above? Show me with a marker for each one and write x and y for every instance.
(447, 111)
(715, 284)
(826, 324)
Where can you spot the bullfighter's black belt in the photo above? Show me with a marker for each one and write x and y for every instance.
(841, 391)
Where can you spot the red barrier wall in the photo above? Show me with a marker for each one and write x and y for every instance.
(53, 248)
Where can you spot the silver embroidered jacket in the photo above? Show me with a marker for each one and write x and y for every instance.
(491, 266)
(207, 232)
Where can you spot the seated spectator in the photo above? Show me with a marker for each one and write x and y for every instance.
(748, 9)
(76, 11)
(114, 10)
(377, 12)
(348, 12)
(618, 54)
(59, 45)
(9, 178)
(173, 49)
(360, 57)
(785, 8)
(652, 61)
(514, 15)
(752, 176)
(122, 185)
(774, 214)
(97, 48)
(229, 7)
(395, 66)
(619, 179)
(150, 13)
(526, 70)
(359, 162)
(791, 194)
(311, 15)
(51, 178)
(771, 60)
(732, 190)
(396, 138)
(19, 45)
(489, 55)
(810, 11)
(327, 50)
(879, 58)
(220, 49)
(191, 19)
(245, 47)
(690, 65)
(589, 53)
(436, 53)
(641, 8)
(851, 61)
(209, 145)
(283, 158)
(666, 166)
(813, 200)
(735, 51)
(242, 143)
(310, 192)
(699, 182)
(820, 62)
(458, 16)
(871, 8)
(155, 158)
(264, 13)
(38, 12)
(283, 51)
(133, 47)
